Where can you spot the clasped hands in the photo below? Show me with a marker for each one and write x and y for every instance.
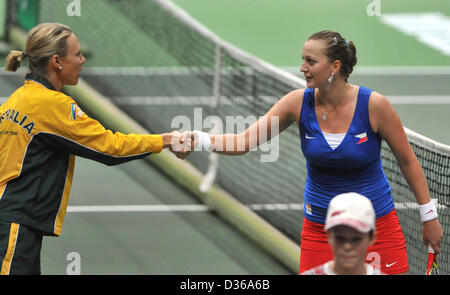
(181, 144)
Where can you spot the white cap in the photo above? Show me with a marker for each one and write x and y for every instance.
(351, 209)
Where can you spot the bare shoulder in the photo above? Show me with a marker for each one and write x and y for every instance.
(294, 96)
(384, 119)
(291, 103)
(378, 100)
(379, 108)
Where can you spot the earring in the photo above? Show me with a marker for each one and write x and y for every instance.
(331, 79)
(60, 68)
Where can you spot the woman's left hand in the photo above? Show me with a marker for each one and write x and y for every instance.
(432, 234)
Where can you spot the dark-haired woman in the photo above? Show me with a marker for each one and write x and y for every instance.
(341, 128)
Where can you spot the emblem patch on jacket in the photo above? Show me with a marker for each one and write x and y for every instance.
(76, 112)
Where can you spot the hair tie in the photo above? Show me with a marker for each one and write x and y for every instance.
(24, 54)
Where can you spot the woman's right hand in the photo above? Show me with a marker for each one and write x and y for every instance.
(178, 143)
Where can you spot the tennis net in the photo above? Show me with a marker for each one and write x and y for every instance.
(187, 74)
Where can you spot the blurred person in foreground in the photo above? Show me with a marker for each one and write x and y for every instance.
(341, 127)
(350, 225)
(41, 131)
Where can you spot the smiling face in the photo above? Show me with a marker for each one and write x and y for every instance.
(349, 247)
(71, 64)
(316, 66)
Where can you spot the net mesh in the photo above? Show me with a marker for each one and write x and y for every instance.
(164, 75)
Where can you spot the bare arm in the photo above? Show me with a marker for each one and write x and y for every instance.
(385, 120)
(278, 118)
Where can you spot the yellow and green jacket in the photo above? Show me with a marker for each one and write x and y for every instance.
(41, 132)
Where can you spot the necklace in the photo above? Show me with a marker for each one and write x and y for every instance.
(325, 114)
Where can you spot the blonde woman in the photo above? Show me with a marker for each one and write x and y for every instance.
(41, 132)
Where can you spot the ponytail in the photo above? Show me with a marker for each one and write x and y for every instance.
(13, 60)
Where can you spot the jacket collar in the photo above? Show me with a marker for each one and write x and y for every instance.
(40, 79)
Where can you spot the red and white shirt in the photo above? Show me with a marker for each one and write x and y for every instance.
(325, 269)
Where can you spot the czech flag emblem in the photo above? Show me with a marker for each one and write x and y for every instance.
(361, 138)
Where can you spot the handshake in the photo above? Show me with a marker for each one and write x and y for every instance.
(183, 143)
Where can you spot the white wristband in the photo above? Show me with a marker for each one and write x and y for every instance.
(428, 211)
(204, 141)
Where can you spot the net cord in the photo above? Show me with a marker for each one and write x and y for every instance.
(232, 50)
(426, 142)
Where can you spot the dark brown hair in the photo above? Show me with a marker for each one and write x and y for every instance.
(337, 48)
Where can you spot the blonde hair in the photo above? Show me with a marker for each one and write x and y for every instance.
(43, 42)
